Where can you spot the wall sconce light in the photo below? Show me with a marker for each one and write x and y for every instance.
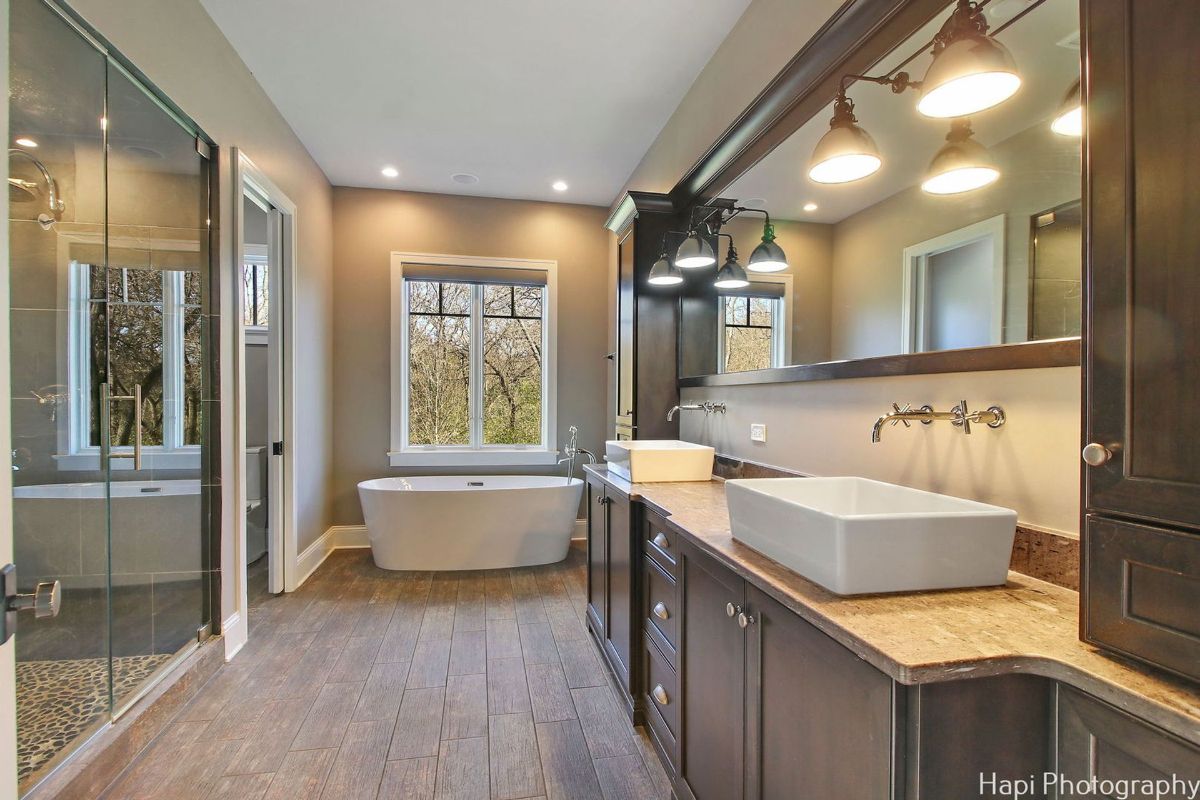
(768, 256)
(664, 273)
(694, 252)
(731, 275)
(961, 164)
(971, 70)
(846, 152)
(1069, 119)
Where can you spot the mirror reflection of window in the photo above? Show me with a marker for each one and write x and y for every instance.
(752, 329)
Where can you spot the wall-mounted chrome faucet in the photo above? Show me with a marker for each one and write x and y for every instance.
(958, 416)
(706, 407)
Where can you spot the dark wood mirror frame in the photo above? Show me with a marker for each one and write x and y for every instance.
(855, 37)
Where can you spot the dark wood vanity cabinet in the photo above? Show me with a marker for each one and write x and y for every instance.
(1141, 545)
(612, 572)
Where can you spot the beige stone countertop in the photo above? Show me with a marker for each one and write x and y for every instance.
(1026, 625)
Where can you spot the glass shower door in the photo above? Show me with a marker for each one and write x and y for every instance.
(153, 321)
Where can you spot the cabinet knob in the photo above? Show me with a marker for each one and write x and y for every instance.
(660, 695)
(745, 620)
(603, 500)
(1096, 454)
(660, 541)
(731, 610)
(660, 611)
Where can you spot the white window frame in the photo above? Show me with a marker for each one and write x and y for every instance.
(781, 323)
(80, 455)
(403, 455)
(915, 287)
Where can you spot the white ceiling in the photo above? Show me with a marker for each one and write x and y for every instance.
(520, 93)
(1042, 44)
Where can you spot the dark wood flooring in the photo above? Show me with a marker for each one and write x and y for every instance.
(373, 684)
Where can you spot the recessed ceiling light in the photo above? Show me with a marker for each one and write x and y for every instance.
(753, 202)
(25, 141)
(390, 172)
(810, 206)
(559, 186)
(464, 177)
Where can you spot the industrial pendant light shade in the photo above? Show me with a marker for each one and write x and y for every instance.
(846, 152)
(731, 275)
(663, 273)
(768, 256)
(1069, 119)
(971, 70)
(694, 253)
(962, 164)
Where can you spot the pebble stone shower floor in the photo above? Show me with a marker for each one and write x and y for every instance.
(373, 684)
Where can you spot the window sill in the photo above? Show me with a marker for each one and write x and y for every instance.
(90, 462)
(471, 458)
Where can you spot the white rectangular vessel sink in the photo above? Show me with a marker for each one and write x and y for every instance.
(659, 460)
(858, 536)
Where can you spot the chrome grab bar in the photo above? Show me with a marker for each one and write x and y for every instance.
(106, 398)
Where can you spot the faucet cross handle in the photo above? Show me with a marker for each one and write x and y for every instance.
(962, 417)
(898, 410)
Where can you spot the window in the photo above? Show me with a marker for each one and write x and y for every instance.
(474, 361)
(753, 322)
(256, 296)
(137, 327)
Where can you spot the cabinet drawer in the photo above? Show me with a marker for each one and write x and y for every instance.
(1142, 589)
(661, 610)
(660, 542)
(662, 705)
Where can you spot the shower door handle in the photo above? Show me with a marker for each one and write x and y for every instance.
(106, 398)
(45, 601)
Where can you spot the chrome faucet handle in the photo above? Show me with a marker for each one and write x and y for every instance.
(898, 410)
(962, 417)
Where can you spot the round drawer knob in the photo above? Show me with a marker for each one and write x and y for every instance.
(660, 695)
(660, 611)
(660, 541)
(745, 620)
(1097, 455)
(731, 610)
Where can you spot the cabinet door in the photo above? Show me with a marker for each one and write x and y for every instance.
(1097, 741)
(1142, 336)
(819, 718)
(712, 678)
(597, 556)
(620, 618)
(626, 345)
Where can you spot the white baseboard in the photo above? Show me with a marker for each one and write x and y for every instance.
(236, 632)
(580, 531)
(338, 537)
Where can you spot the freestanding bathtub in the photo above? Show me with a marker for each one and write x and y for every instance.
(469, 521)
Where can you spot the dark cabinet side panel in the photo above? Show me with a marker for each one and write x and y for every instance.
(621, 622)
(597, 556)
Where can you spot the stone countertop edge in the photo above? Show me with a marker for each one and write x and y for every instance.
(1026, 626)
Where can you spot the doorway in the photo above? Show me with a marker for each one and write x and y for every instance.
(265, 558)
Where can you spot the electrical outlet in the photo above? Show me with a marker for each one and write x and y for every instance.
(758, 432)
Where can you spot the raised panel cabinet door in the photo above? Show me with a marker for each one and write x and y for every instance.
(621, 601)
(819, 718)
(1096, 740)
(626, 341)
(1142, 313)
(597, 555)
(712, 678)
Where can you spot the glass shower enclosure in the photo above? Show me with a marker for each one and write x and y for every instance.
(113, 381)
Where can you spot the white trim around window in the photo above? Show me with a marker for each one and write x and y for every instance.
(402, 455)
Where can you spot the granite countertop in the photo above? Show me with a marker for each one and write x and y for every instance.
(1027, 625)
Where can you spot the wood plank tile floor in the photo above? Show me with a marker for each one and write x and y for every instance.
(411, 685)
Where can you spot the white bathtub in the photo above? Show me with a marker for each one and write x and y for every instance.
(469, 521)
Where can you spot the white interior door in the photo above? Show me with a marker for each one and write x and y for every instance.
(275, 343)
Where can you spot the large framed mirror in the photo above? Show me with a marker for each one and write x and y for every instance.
(913, 243)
